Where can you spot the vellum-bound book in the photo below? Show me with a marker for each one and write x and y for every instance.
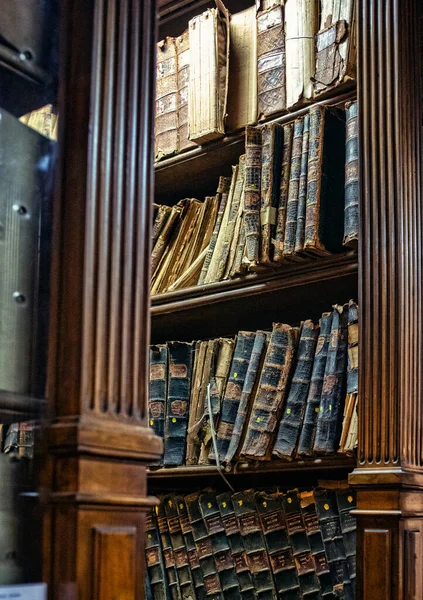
(166, 122)
(208, 73)
(300, 27)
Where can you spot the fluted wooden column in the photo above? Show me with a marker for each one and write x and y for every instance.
(389, 475)
(98, 440)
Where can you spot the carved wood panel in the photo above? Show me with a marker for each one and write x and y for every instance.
(114, 562)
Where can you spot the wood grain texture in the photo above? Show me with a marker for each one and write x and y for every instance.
(377, 575)
(114, 562)
(413, 558)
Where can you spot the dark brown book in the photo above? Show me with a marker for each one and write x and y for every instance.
(271, 159)
(288, 131)
(252, 193)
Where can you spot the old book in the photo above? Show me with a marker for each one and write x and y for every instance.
(232, 397)
(44, 120)
(269, 400)
(186, 528)
(238, 263)
(221, 197)
(242, 91)
(288, 131)
(252, 193)
(351, 214)
(221, 549)
(300, 27)
(239, 224)
(191, 275)
(346, 502)
(209, 36)
(247, 395)
(154, 558)
(324, 225)
(168, 555)
(166, 119)
(302, 193)
(349, 425)
(180, 553)
(293, 189)
(335, 44)
(157, 389)
(203, 231)
(163, 239)
(329, 420)
(180, 358)
(204, 548)
(308, 431)
(196, 410)
(351, 439)
(163, 213)
(293, 415)
(11, 440)
(255, 545)
(271, 61)
(236, 544)
(271, 161)
(182, 58)
(279, 549)
(26, 439)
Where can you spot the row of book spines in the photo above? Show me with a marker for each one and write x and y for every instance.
(253, 544)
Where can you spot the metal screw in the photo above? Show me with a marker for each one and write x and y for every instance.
(20, 209)
(19, 298)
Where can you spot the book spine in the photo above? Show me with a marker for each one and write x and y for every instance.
(166, 122)
(238, 371)
(251, 378)
(270, 396)
(238, 266)
(272, 518)
(302, 193)
(157, 389)
(162, 216)
(204, 548)
(288, 131)
(308, 431)
(271, 157)
(315, 159)
(236, 543)
(351, 215)
(252, 193)
(163, 239)
(154, 558)
(196, 572)
(329, 420)
(347, 442)
(300, 28)
(290, 426)
(220, 544)
(293, 189)
(168, 555)
(346, 502)
(182, 53)
(255, 545)
(271, 66)
(178, 394)
(196, 412)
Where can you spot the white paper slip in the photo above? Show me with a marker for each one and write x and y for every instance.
(33, 591)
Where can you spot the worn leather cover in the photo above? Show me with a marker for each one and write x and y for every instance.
(308, 431)
(293, 415)
(278, 240)
(349, 426)
(269, 400)
(254, 542)
(293, 189)
(168, 555)
(163, 213)
(182, 57)
(196, 410)
(271, 65)
(271, 163)
(186, 528)
(180, 357)
(351, 216)
(157, 390)
(252, 192)
(154, 558)
(163, 242)
(166, 120)
(239, 222)
(236, 544)
(346, 501)
(302, 193)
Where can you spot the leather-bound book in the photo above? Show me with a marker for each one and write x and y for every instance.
(271, 87)
(324, 227)
(238, 263)
(222, 196)
(288, 131)
(272, 518)
(293, 415)
(238, 371)
(154, 558)
(239, 223)
(196, 405)
(162, 216)
(186, 528)
(269, 400)
(180, 553)
(271, 162)
(329, 420)
(163, 239)
(236, 543)
(44, 120)
(182, 55)
(208, 73)
(247, 395)
(349, 425)
(302, 193)
(293, 189)
(255, 545)
(166, 120)
(242, 91)
(351, 214)
(180, 359)
(220, 544)
(204, 547)
(168, 555)
(308, 431)
(252, 193)
(346, 500)
(300, 27)
(317, 546)
(157, 389)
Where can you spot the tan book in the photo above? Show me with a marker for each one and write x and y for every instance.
(191, 275)
(163, 238)
(300, 28)
(349, 409)
(351, 440)
(196, 412)
(163, 213)
(204, 231)
(242, 91)
(43, 120)
(182, 57)
(208, 74)
(236, 238)
(166, 124)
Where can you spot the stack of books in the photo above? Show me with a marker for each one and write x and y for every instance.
(225, 72)
(285, 393)
(254, 544)
(292, 196)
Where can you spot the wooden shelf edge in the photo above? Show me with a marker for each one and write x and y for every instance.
(340, 462)
(287, 276)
